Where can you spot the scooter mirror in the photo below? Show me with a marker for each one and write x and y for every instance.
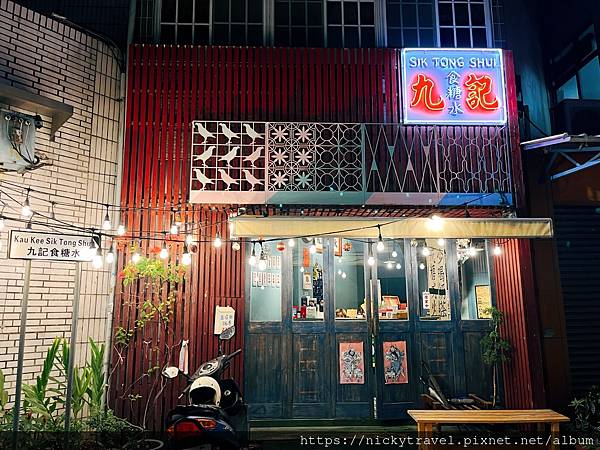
(170, 372)
(227, 334)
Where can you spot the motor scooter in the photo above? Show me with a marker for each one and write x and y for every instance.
(216, 415)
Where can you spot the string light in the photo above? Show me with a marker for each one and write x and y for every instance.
(441, 242)
(339, 271)
(262, 262)
(380, 244)
(390, 265)
(136, 257)
(189, 239)
(302, 269)
(422, 266)
(97, 259)
(164, 251)
(217, 242)
(398, 266)
(110, 256)
(497, 250)
(312, 248)
(291, 243)
(370, 259)
(106, 224)
(186, 259)
(252, 259)
(121, 230)
(236, 246)
(435, 223)
(344, 275)
(26, 211)
(394, 254)
(425, 251)
(174, 230)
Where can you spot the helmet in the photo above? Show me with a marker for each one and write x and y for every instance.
(205, 391)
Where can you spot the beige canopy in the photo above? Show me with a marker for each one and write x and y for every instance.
(401, 227)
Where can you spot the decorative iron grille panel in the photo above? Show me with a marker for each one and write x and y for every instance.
(305, 162)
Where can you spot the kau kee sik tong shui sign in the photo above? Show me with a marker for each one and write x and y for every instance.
(454, 87)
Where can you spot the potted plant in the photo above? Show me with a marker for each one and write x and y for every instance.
(587, 416)
(495, 349)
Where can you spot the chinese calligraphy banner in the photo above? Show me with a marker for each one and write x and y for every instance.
(49, 246)
(453, 86)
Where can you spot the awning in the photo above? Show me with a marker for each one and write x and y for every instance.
(358, 227)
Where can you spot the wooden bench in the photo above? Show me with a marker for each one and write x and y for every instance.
(427, 419)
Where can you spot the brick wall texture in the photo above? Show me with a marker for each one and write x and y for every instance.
(41, 55)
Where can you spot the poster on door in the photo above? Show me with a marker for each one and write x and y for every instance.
(352, 363)
(439, 303)
(395, 366)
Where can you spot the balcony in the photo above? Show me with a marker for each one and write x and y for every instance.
(308, 163)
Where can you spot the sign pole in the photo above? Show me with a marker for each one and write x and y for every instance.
(22, 329)
(72, 347)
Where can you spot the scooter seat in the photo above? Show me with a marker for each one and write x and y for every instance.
(211, 411)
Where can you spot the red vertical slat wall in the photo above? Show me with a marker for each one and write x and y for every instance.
(168, 87)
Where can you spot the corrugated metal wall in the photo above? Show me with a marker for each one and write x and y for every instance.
(523, 377)
(578, 243)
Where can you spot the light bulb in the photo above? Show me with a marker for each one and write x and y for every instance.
(394, 254)
(398, 266)
(217, 242)
(441, 242)
(371, 260)
(390, 264)
(186, 258)
(471, 251)
(26, 210)
(136, 257)
(435, 223)
(313, 248)
(174, 229)
(121, 230)
(189, 239)
(236, 246)
(344, 275)
(339, 271)
(291, 243)
(380, 246)
(425, 251)
(110, 256)
(97, 259)
(422, 266)
(302, 269)
(164, 252)
(497, 250)
(106, 223)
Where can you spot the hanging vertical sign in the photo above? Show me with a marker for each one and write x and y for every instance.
(395, 366)
(352, 363)
(453, 86)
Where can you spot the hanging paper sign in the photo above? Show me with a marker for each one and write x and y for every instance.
(224, 318)
(483, 298)
(439, 303)
(426, 300)
(49, 246)
(395, 364)
(453, 86)
(352, 364)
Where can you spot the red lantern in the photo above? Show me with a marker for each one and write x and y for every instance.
(280, 246)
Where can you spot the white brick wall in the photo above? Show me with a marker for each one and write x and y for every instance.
(43, 56)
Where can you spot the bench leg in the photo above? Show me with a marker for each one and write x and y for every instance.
(555, 434)
(424, 430)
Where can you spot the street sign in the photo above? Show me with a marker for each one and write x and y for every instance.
(453, 86)
(34, 245)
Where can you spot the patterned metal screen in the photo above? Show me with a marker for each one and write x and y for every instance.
(344, 163)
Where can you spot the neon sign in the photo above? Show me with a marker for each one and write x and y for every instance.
(453, 86)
